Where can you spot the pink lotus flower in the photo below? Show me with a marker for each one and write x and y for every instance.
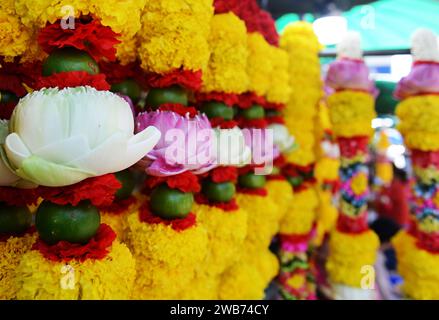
(350, 74)
(186, 143)
(422, 79)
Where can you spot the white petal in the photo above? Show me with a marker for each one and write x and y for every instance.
(64, 151)
(16, 150)
(140, 144)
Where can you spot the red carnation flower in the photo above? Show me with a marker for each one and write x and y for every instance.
(191, 80)
(18, 197)
(100, 191)
(229, 99)
(179, 109)
(73, 79)
(224, 174)
(181, 224)
(97, 40)
(185, 182)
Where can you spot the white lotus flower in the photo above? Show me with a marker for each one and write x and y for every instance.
(282, 138)
(61, 137)
(231, 149)
(7, 177)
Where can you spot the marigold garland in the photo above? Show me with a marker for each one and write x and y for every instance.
(281, 192)
(11, 252)
(110, 278)
(349, 253)
(227, 67)
(279, 90)
(166, 259)
(259, 66)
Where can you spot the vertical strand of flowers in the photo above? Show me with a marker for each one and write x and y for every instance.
(417, 247)
(352, 245)
(296, 279)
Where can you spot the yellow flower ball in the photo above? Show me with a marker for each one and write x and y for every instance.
(351, 113)
(262, 220)
(279, 90)
(202, 287)
(227, 67)
(359, 184)
(166, 259)
(14, 36)
(281, 192)
(111, 278)
(301, 215)
(259, 66)
(227, 231)
(419, 122)
(298, 35)
(348, 254)
(326, 169)
(418, 267)
(11, 252)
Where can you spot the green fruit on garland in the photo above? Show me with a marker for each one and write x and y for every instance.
(14, 220)
(128, 181)
(170, 203)
(158, 96)
(215, 109)
(7, 97)
(254, 112)
(128, 87)
(252, 181)
(65, 222)
(275, 171)
(69, 59)
(218, 192)
(295, 181)
(273, 113)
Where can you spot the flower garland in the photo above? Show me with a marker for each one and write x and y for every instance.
(172, 37)
(259, 65)
(226, 70)
(279, 90)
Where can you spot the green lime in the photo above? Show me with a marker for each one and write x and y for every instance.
(14, 220)
(295, 181)
(273, 113)
(275, 170)
(65, 222)
(69, 59)
(128, 181)
(128, 87)
(7, 96)
(218, 192)
(215, 109)
(252, 181)
(254, 112)
(159, 96)
(170, 203)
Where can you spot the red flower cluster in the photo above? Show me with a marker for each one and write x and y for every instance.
(274, 106)
(224, 174)
(351, 147)
(256, 19)
(14, 74)
(6, 110)
(179, 109)
(426, 241)
(356, 225)
(252, 123)
(248, 99)
(226, 206)
(73, 79)
(18, 197)
(99, 191)
(223, 124)
(4, 237)
(297, 238)
(425, 159)
(97, 248)
(191, 80)
(97, 40)
(185, 182)
(229, 99)
(115, 72)
(254, 191)
(275, 119)
(145, 215)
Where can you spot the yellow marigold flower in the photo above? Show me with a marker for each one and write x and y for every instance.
(281, 192)
(227, 231)
(301, 214)
(175, 39)
(418, 267)
(419, 122)
(263, 222)
(108, 279)
(11, 252)
(227, 67)
(166, 259)
(299, 35)
(349, 254)
(127, 50)
(279, 90)
(259, 66)
(351, 113)
(202, 287)
(14, 36)
(326, 169)
(384, 171)
(327, 212)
